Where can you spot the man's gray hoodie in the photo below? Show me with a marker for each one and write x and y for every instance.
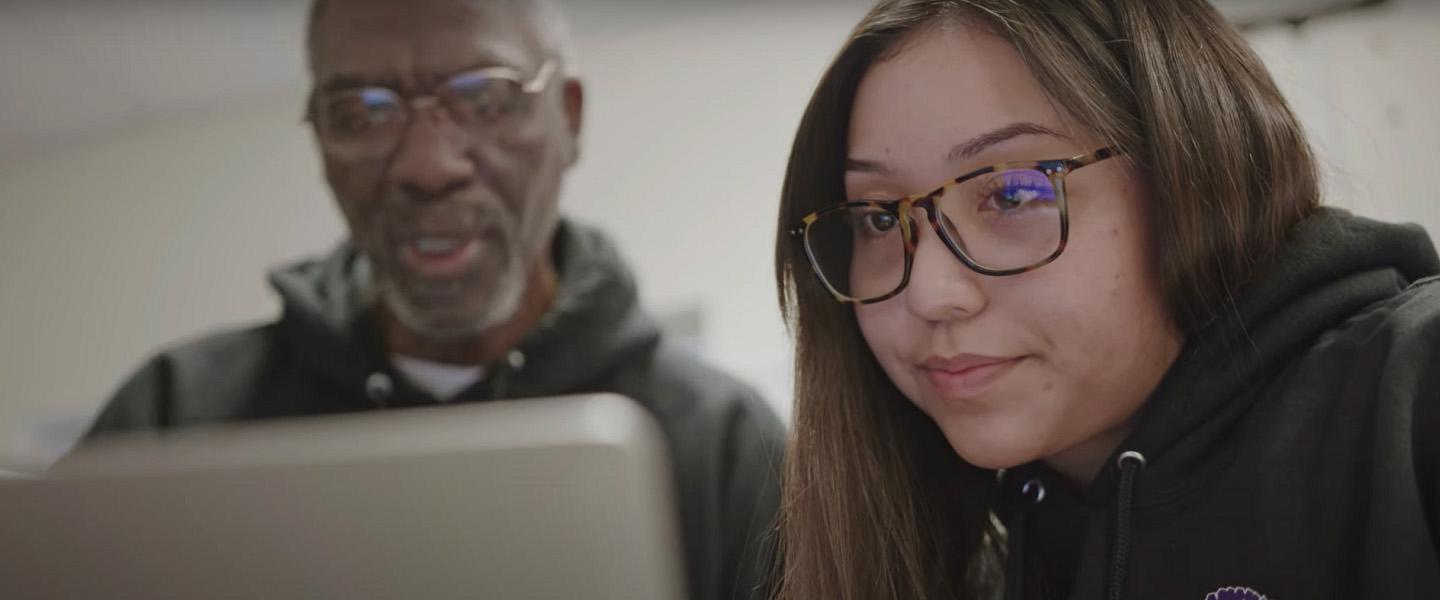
(325, 355)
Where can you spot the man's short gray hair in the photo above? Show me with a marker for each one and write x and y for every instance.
(546, 19)
(551, 28)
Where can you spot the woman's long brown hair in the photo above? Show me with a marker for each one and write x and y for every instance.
(876, 505)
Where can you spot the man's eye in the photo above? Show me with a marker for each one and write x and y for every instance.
(484, 97)
(362, 112)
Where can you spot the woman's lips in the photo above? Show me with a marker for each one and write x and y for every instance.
(966, 376)
(440, 257)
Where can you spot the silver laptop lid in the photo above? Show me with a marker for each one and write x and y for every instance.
(541, 498)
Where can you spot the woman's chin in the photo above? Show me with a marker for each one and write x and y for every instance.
(991, 448)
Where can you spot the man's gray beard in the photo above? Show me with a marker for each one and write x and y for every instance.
(503, 305)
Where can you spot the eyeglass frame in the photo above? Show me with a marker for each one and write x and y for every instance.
(902, 208)
(412, 103)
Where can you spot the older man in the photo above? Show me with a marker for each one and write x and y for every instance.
(446, 128)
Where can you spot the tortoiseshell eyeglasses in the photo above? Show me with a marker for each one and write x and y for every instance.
(1000, 220)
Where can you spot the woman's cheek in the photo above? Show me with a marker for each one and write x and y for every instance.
(888, 333)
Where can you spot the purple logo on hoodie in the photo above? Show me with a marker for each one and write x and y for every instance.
(1235, 593)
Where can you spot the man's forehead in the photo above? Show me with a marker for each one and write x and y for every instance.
(384, 40)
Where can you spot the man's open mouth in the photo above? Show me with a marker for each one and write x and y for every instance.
(440, 256)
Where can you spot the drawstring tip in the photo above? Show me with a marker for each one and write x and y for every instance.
(1132, 457)
(1130, 463)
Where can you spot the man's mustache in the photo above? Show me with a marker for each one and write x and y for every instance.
(469, 217)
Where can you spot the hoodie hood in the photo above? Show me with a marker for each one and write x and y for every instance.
(330, 319)
(1331, 267)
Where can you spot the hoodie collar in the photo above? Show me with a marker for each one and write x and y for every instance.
(329, 317)
(1331, 267)
(595, 323)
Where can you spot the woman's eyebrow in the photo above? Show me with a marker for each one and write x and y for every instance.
(966, 149)
(969, 148)
(855, 165)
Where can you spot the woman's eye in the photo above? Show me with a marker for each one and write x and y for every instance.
(879, 222)
(1015, 191)
(1012, 198)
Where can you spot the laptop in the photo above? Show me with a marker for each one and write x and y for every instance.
(567, 497)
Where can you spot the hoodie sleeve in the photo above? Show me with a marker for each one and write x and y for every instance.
(1427, 458)
(140, 403)
(1421, 354)
(212, 379)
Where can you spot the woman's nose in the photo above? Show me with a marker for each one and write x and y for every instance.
(941, 287)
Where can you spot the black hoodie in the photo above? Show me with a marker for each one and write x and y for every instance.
(1292, 451)
(324, 355)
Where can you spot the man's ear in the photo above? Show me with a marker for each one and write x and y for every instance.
(574, 113)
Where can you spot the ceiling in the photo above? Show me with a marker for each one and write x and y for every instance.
(76, 70)
(1255, 12)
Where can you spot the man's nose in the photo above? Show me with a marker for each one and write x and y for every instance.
(941, 287)
(433, 158)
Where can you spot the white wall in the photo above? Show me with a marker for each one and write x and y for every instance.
(685, 151)
(114, 244)
(1366, 83)
(109, 250)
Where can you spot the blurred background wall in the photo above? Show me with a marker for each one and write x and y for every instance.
(153, 165)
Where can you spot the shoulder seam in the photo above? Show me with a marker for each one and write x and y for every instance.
(1423, 282)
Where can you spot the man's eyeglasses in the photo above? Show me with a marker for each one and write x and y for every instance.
(369, 121)
(1004, 219)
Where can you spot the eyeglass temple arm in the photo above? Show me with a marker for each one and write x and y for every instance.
(1093, 157)
(542, 77)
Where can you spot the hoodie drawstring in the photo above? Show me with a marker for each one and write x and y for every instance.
(378, 388)
(1033, 493)
(502, 371)
(1015, 571)
(1131, 463)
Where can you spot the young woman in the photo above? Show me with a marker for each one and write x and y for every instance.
(1070, 322)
